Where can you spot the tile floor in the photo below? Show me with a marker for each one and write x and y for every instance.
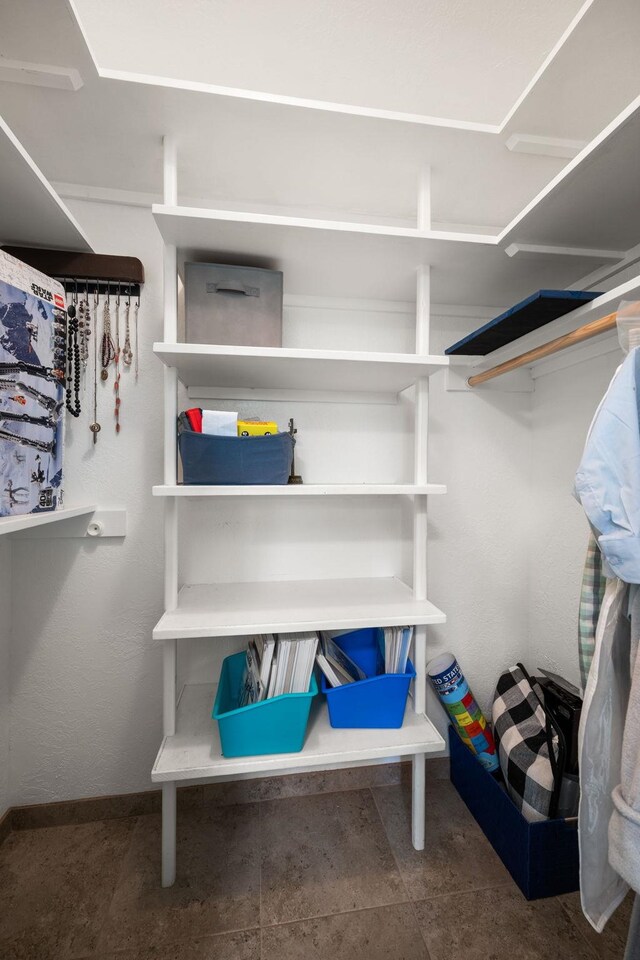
(330, 876)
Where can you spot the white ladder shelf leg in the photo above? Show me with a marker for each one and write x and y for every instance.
(421, 425)
(170, 653)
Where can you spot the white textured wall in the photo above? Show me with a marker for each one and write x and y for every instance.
(479, 533)
(85, 674)
(563, 406)
(5, 637)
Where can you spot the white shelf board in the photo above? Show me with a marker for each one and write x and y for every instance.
(285, 606)
(31, 212)
(302, 490)
(194, 751)
(205, 365)
(595, 310)
(27, 521)
(332, 258)
(595, 199)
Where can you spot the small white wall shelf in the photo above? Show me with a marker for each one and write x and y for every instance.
(29, 521)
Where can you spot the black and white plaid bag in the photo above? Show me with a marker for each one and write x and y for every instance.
(529, 747)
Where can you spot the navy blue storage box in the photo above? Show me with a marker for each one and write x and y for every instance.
(234, 460)
(541, 857)
(377, 703)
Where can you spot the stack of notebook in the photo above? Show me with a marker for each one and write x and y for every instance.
(276, 665)
(395, 643)
(337, 667)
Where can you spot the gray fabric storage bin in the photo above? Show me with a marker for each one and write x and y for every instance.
(240, 306)
(234, 460)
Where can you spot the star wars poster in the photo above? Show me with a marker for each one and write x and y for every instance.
(32, 344)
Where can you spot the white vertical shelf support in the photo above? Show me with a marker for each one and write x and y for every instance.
(424, 199)
(423, 315)
(170, 653)
(168, 833)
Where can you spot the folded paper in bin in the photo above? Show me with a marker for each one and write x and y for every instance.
(220, 423)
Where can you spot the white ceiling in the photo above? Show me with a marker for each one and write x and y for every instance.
(462, 60)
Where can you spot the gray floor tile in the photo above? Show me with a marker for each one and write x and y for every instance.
(217, 886)
(499, 924)
(457, 855)
(225, 946)
(56, 884)
(325, 854)
(611, 943)
(388, 933)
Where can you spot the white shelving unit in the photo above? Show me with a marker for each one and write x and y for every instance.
(191, 748)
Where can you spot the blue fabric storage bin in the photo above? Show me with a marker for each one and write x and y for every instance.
(234, 460)
(375, 703)
(541, 857)
(278, 725)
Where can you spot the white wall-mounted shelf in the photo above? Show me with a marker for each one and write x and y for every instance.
(194, 751)
(240, 609)
(521, 380)
(594, 200)
(206, 365)
(28, 521)
(31, 212)
(303, 490)
(364, 260)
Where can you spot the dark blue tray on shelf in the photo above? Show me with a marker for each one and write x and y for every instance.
(540, 308)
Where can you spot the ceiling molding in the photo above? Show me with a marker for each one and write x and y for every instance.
(40, 74)
(545, 249)
(544, 146)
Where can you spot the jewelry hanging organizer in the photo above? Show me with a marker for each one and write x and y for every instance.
(98, 330)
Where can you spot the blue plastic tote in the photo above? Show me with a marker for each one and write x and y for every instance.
(375, 703)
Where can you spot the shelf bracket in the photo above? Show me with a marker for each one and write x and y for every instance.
(456, 376)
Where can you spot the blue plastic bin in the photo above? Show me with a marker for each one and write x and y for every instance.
(542, 857)
(375, 703)
(278, 725)
(234, 460)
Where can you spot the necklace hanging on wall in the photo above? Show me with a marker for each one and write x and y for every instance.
(73, 362)
(127, 353)
(84, 333)
(116, 363)
(135, 327)
(94, 426)
(107, 351)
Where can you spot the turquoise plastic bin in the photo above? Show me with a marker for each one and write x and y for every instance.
(278, 725)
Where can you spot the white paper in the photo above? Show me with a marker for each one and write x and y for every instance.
(220, 423)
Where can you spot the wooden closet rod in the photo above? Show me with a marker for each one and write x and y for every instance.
(568, 340)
